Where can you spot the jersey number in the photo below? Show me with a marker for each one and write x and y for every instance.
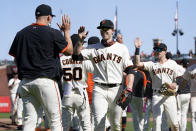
(76, 74)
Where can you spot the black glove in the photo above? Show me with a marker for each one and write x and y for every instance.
(124, 99)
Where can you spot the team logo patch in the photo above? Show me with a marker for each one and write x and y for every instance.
(103, 22)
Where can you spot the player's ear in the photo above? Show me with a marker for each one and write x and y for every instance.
(49, 18)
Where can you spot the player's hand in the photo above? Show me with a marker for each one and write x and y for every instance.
(119, 38)
(66, 24)
(82, 33)
(129, 89)
(173, 86)
(137, 42)
(145, 100)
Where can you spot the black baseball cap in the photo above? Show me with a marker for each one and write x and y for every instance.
(43, 10)
(106, 24)
(93, 40)
(160, 46)
(184, 62)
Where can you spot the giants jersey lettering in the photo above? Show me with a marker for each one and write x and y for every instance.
(109, 62)
(75, 72)
(190, 74)
(161, 73)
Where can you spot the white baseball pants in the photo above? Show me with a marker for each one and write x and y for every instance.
(103, 103)
(76, 102)
(193, 111)
(41, 92)
(13, 106)
(162, 103)
(19, 111)
(183, 104)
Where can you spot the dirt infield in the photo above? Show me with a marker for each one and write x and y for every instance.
(5, 124)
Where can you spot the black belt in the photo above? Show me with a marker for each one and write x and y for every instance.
(106, 84)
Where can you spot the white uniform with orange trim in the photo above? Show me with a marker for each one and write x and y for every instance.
(13, 85)
(190, 74)
(109, 64)
(161, 73)
(75, 98)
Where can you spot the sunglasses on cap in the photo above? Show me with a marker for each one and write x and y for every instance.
(158, 49)
(104, 29)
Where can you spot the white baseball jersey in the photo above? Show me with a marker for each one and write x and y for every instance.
(75, 72)
(109, 62)
(161, 73)
(190, 74)
(15, 87)
(181, 70)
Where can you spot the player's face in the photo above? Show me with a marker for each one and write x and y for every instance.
(159, 53)
(106, 33)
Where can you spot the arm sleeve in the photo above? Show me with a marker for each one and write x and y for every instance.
(176, 71)
(187, 75)
(10, 82)
(60, 44)
(148, 65)
(127, 59)
(87, 54)
(129, 70)
(14, 46)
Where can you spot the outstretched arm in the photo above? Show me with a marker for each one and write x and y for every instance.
(65, 27)
(82, 35)
(138, 43)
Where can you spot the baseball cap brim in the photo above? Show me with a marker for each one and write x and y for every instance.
(100, 27)
(53, 15)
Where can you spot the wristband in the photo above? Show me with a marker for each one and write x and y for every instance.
(137, 51)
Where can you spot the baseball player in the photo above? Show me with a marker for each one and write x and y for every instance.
(183, 97)
(109, 59)
(36, 50)
(19, 102)
(162, 71)
(13, 87)
(93, 40)
(190, 74)
(140, 84)
(75, 98)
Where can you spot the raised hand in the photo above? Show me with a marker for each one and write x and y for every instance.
(137, 42)
(66, 23)
(82, 33)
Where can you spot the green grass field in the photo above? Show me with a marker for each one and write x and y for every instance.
(129, 126)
